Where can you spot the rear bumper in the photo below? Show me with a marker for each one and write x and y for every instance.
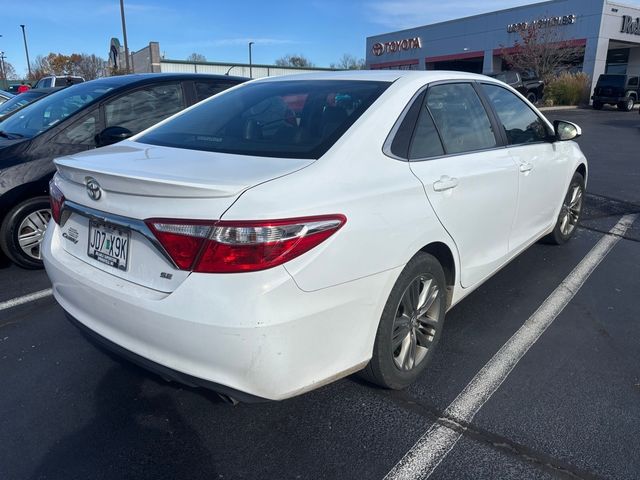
(597, 98)
(162, 370)
(251, 335)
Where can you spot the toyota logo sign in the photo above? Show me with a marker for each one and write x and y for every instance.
(378, 49)
(93, 189)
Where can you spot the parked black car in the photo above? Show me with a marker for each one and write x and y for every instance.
(78, 118)
(19, 101)
(524, 82)
(620, 90)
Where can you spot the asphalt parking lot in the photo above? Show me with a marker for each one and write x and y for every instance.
(567, 409)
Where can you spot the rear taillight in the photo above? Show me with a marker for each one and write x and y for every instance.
(57, 201)
(230, 247)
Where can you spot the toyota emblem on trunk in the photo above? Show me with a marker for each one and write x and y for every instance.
(93, 189)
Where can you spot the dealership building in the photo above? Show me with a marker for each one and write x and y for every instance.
(608, 33)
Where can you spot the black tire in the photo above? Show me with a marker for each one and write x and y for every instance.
(532, 97)
(597, 106)
(382, 369)
(627, 105)
(9, 232)
(559, 236)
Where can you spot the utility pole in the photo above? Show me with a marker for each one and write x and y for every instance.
(250, 63)
(124, 36)
(26, 50)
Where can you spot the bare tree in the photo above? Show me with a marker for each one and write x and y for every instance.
(9, 72)
(293, 60)
(196, 57)
(542, 49)
(349, 62)
(91, 66)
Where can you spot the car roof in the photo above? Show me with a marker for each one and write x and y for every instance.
(142, 78)
(379, 75)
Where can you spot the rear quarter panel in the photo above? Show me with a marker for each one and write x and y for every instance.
(388, 217)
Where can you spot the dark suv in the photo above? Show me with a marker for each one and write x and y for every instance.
(77, 118)
(620, 90)
(530, 86)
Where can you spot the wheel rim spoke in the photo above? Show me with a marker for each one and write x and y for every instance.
(27, 240)
(32, 229)
(416, 322)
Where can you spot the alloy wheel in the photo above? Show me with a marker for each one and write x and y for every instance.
(31, 232)
(571, 209)
(416, 322)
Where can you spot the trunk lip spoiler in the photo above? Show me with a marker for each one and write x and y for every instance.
(131, 223)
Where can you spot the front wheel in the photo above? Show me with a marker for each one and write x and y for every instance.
(410, 325)
(597, 106)
(22, 232)
(532, 97)
(570, 212)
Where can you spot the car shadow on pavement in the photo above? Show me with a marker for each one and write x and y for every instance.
(4, 261)
(136, 432)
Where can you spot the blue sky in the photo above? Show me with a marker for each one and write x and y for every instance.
(220, 30)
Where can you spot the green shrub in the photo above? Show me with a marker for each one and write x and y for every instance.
(568, 89)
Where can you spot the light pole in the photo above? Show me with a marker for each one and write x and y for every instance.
(3, 72)
(124, 36)
(26, 50)
(250, 63)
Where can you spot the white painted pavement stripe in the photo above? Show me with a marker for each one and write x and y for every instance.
(425, 456)
(14, 302)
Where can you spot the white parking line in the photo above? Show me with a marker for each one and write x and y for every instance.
(425, 456)
(14, 302)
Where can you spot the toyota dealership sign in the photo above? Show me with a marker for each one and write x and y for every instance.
(395, 46)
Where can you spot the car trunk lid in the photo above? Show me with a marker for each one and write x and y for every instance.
(134, 182)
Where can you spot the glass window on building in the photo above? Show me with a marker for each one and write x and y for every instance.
(407, 66)
(617, 60)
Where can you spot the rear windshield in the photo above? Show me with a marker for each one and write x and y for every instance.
(294, 119)
(611, 81)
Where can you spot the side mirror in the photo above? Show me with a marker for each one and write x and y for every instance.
(112, 135)
(566, 130)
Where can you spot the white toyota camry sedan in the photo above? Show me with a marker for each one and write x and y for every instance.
(295, 230)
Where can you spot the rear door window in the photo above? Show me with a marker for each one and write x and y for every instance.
(426, 141)
(205, 90)
(285, 118)
(144, 107)
(460, 117)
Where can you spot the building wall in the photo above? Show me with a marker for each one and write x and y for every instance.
(480, 36)
(237, 69)
(147, 59)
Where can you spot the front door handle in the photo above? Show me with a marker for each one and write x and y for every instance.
(445, 183)
(526, 167)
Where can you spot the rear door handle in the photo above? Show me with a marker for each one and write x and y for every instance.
(445, 183)
(526, 167)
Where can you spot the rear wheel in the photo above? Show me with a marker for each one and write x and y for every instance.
(627, 105)
(532, 97)
(22, 232)
(570, 212)
(597, 106)
(410, 325)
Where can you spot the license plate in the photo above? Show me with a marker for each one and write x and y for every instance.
(109, 244)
